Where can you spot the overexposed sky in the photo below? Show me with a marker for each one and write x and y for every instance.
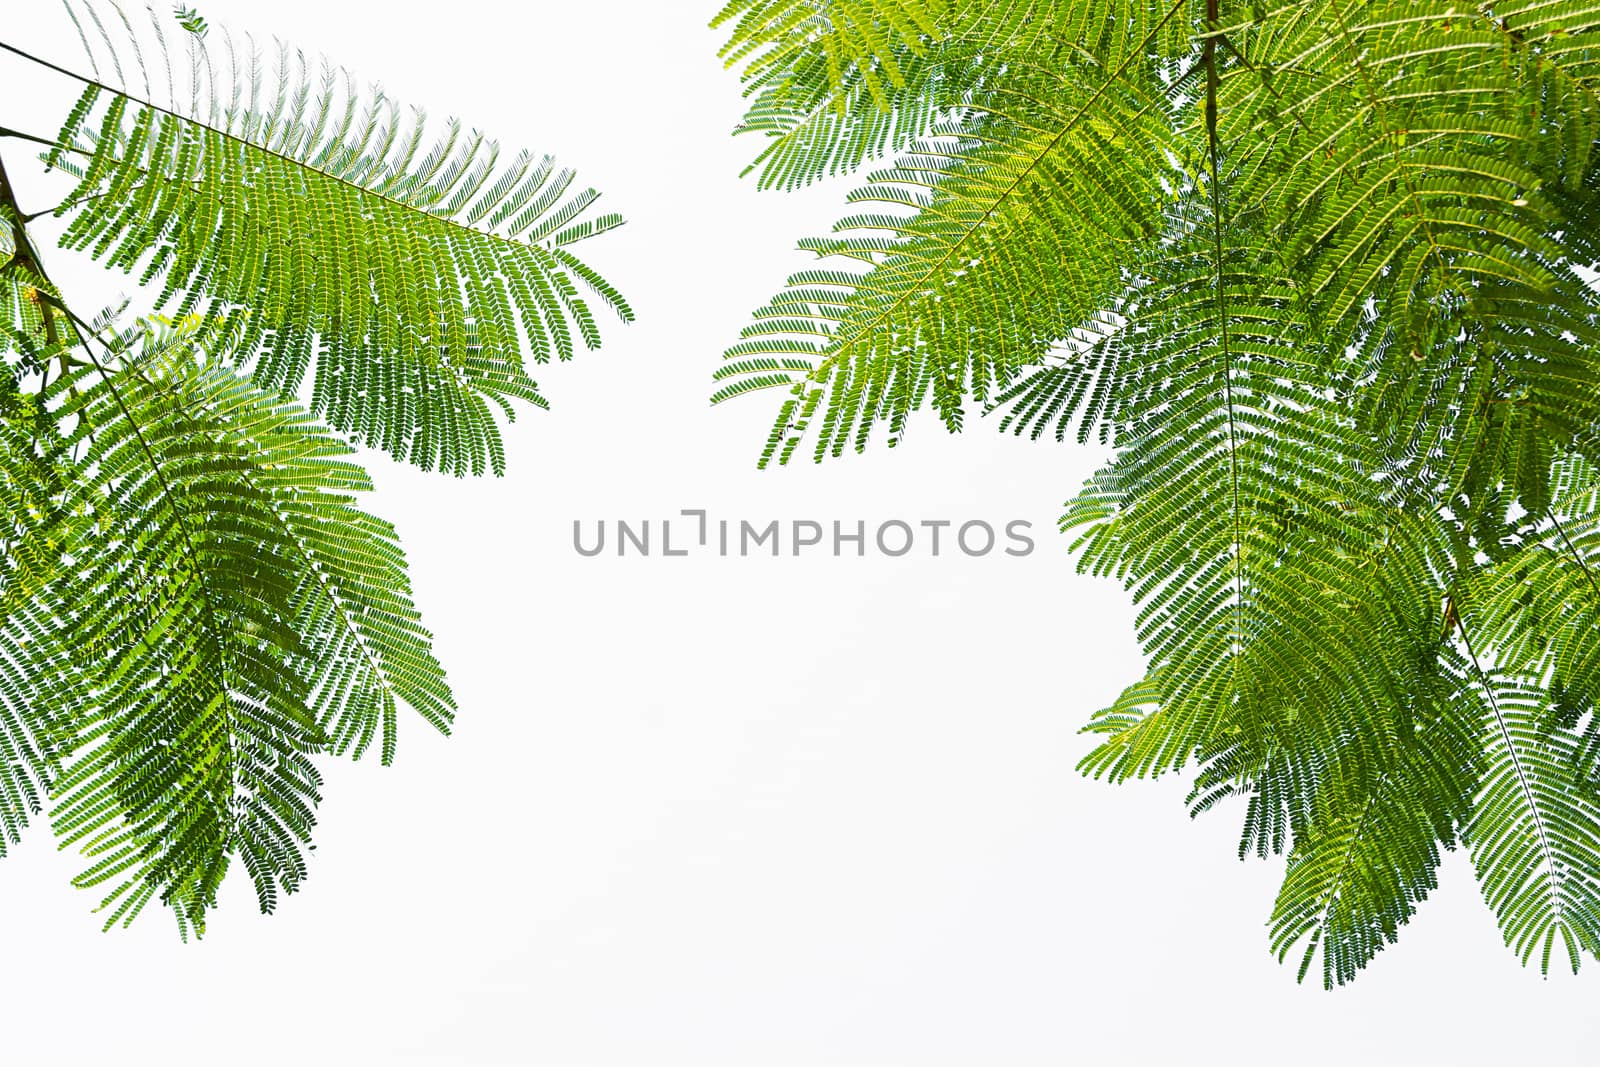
(721, 811)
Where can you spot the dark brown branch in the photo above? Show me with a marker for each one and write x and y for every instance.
(27, 257)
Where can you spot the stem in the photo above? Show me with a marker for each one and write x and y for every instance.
(6, 131)
(1584, 567)
(1557, 893)
(27, 255)
(1209, 53)
(435, 211)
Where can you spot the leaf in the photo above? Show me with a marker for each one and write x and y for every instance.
(235, 615)
(314, 226)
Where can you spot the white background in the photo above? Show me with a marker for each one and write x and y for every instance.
(721, 811)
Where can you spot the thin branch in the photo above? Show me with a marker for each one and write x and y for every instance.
(6, 131)
(1584, 567)
(299, 164)
(1557, 899)
(1213, 152)
(27, 257)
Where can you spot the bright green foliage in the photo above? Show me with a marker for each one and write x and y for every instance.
(847, 42)
(321, 226)
(32, 481)
(1318, 274)
(196, 608)
(238, 614)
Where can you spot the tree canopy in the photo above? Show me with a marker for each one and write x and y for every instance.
(1318, 273)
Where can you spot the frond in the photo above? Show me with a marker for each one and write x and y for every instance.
(320, 228)
(1262, 589)
(1405, 147)
(982, 246)
(1371, 853)
(1539, 606)
(32, 739)
(846, 39)
(34, 667)
(1535, 829)
(818, 128)
(1073, 389)
(237, 615)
